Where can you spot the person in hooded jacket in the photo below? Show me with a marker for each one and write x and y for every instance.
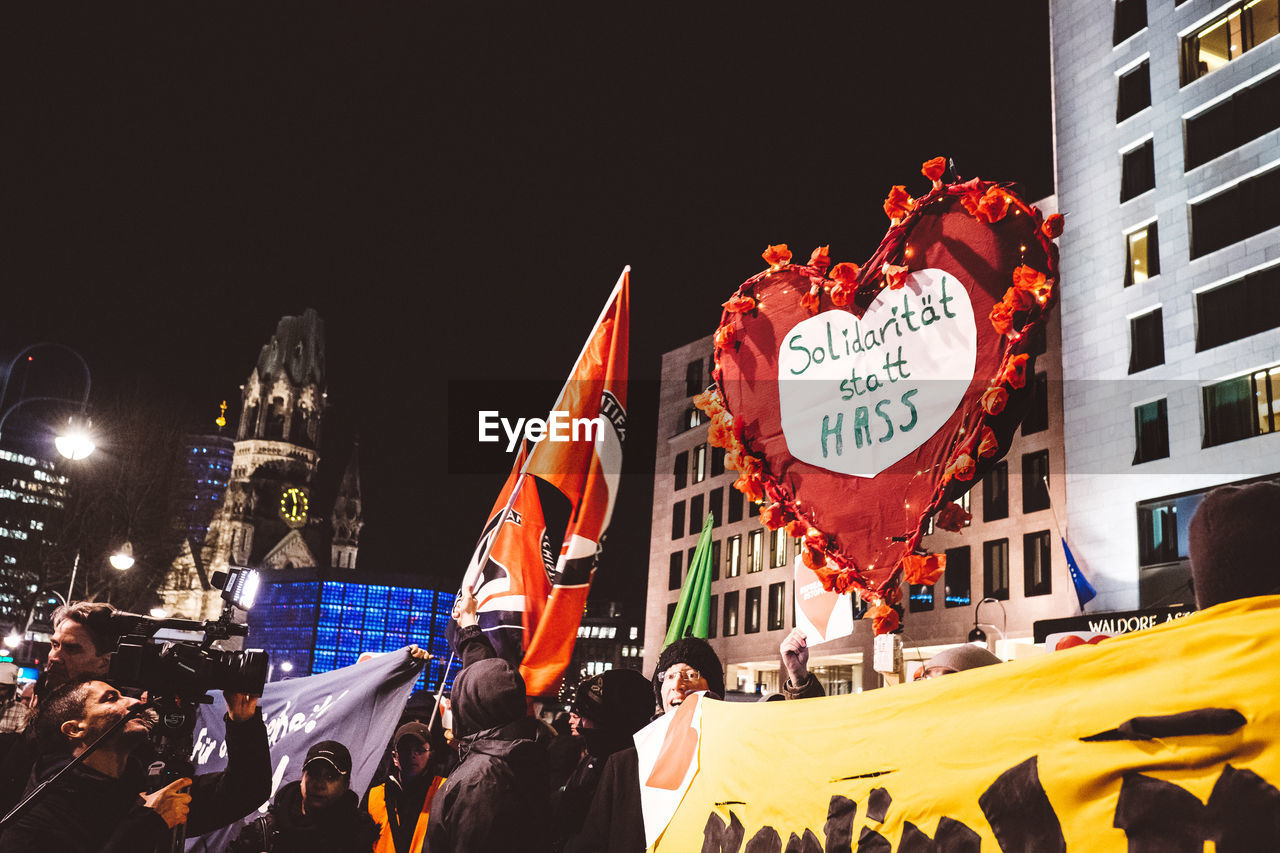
(319, 813)
(607, 710)
(496, 800)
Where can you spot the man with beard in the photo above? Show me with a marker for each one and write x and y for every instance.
(317, 814)
(402, 804)
(99, 806)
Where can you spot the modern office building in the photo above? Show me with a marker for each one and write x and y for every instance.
(608, 638)
(1010, 554)
(206, 471)
(33, 496)
(315, 621)
(1167, 137)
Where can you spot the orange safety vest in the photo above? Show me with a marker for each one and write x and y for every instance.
(378, 809)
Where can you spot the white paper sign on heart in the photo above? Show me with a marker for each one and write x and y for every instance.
(856, 394)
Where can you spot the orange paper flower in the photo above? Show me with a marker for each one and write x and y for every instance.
(988, 444)
(895, 276)
(1052, 227)
(776, 515)
(1002, 318)
(810, 300)
(933, 169)
(820, 259)
(1031, 281)
(1018, 300)
(845, 273)
(840, 295)
(884, 619)
(740, 303)
(813, 555)
(749, 485)
(776, 256)
(951, 517)
(994, 204)
(961, 469)
(899, 203)
(798, 527)
(923, 568)
(993, 400)
(709, 401)
(1015, 372)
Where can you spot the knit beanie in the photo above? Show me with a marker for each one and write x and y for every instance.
(697, 654)
(960, 658)
(1232, 543)
(620, 700)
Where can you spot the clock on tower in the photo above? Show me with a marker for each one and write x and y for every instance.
(293, 506)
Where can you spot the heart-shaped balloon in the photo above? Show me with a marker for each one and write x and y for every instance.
(857, 401)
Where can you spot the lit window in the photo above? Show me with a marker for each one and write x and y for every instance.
(755, 551)
(699, 468)
(733, 559)
(1242, 407)
(634, 633)
(777, 605)
(752, 616)
(1240, 29)
(777, 548)
(1142, 255)
(731, 613)
(995, 569)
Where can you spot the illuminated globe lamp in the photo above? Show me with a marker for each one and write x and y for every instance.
(76, 441)
(123, 559)
(13, 640)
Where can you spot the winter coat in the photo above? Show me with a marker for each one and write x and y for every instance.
(343, 827)
(497, 799)
(88, 812)
(615, 821)
(402, 812)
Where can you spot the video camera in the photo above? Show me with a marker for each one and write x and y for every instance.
(174, 661)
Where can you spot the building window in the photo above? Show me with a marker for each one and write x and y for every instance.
(1157, 532)
(1137, 171)
(995, 492)
(693, 379)
(1134, 91)
(755, 551)
(717, 461)
(1142, 255)
(1037, 418)
(1146, 341)
(715, 560)
(699, 470)
(1242, 407)
(751, 618)
(736, 500)
(696, 516)
(920, 597)
(1238, 309)
(677, 520)
(733, 559)
(1151, 431)
(995, 569)
(1037, 578)
(714, 622)
(716, 499)
(777, 548)
(1130, 17)
(1035, 481)
(777, 605)
(1248, 207)
(1241, 118)
(681, 470)
(731, 613)
(1241, 28)
(671, 614)
(956, 577)
(692, 417)
(674, 572)
(753, 509)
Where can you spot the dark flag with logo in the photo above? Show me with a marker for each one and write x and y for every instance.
(358, 706)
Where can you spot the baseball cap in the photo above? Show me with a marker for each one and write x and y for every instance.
(415, 730)
(8, 673)
(332, 752)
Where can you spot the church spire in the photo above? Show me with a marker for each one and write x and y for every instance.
(348, 515)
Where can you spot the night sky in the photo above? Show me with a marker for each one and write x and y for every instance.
(456, 191)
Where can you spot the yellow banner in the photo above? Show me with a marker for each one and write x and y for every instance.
(1162, 740)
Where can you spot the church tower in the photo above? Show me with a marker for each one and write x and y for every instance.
(348, 517)
(266, 513)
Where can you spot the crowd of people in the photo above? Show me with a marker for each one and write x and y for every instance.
(484, 776)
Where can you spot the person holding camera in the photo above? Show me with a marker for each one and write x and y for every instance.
(100, 805)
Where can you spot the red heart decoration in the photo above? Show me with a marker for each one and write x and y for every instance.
(857, 405)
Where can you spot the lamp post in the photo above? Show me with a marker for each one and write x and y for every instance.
(978, 636)
(75, 441)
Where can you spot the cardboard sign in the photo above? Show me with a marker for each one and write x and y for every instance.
(821, 614)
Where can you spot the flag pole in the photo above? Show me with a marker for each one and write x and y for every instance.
(613, 294)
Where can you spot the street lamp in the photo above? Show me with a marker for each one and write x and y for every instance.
(978, 636)
(122, 559)
(74, 442)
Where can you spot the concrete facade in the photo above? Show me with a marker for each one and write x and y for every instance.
(1104, 485)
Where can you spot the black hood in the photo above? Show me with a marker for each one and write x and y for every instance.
(486, 695)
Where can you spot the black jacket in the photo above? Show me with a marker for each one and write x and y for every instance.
(344, 827)
(615, 821)
(497, 799)
(88, 812)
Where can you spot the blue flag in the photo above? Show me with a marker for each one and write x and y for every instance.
(1084, 590)
(359, 706)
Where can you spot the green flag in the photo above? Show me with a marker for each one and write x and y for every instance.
(693, 611)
